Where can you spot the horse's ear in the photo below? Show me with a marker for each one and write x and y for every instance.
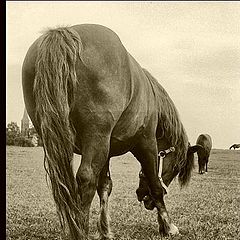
(195, 148)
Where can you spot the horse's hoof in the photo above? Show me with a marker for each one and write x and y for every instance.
(173, 229)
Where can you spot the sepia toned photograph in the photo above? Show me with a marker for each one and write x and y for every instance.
(123, 120)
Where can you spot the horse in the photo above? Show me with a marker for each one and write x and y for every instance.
(234, 146)
(205, 142)
(86, 94)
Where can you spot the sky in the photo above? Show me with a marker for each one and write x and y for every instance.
(191, 48)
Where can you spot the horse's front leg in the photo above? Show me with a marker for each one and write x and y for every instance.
(146, 153)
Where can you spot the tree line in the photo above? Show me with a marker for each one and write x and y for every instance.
(15, 138)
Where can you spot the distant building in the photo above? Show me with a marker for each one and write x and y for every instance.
(25, 130)
(25, 124)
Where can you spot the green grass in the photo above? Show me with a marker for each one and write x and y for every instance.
(209, 208)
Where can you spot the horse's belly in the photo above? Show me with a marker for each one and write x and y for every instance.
(124, 138)
(118, 147)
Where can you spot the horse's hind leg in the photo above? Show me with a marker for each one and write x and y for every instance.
(207, 164)
(201, 165)
(146, 153)
(94, 157)
(104, 190)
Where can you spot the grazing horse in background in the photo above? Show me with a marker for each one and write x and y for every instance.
(234, 146)
(86, 94)
(203, 153)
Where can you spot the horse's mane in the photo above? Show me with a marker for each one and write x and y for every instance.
(169, 125)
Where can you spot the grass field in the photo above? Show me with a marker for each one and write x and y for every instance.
(209, 208)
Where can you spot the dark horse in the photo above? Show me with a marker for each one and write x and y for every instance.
(86, 94)
(234, 146)
(203, 152)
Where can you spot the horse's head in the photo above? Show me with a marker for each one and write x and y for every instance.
(165, 163)
(172, 166)
(167, 156)
(168, 169)
(143, 192)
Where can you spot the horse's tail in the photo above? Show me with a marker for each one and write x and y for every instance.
(55, 81)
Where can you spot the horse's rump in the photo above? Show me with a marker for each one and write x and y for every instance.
(206, 142)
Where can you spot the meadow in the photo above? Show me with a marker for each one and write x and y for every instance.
(209, 208)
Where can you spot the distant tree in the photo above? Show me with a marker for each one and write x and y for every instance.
(23, 142)
(12, 132)
(15, 138)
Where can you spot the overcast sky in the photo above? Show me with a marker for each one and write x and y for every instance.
(192, 48)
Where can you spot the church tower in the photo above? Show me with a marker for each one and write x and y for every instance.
(25, 124)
